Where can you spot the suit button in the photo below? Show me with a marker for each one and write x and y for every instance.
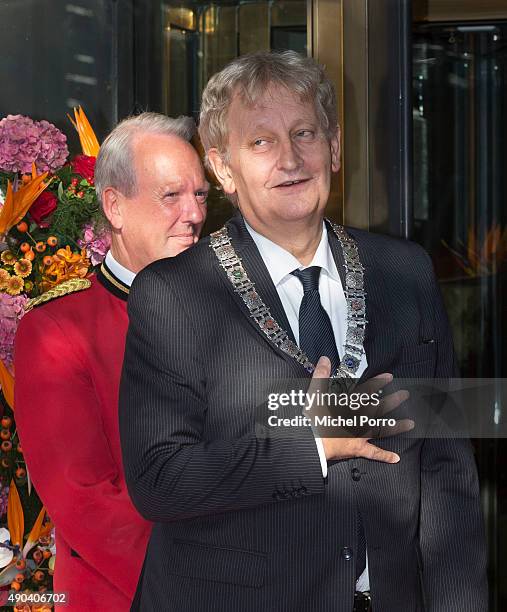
(346, 553)
(356, 474)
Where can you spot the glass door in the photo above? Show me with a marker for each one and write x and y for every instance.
(200, 38)
(460, 217)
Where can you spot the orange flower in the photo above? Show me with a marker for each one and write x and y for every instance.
(89, 142)
(8, 258)
(477, 259)
(7, 384)
(4, 277)
(15, 516)
(15, 285)
(37, 529)
(69, 257)
(17, 203)
(66, 264)
(23, 268)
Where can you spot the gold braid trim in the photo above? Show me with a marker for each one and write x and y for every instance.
(113, 280)
(68, 286)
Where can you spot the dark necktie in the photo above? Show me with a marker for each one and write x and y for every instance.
(316, 337)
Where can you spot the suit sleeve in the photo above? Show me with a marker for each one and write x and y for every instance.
(171, 471)
(452, 536)
(68, 455)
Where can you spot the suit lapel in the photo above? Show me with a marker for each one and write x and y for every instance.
(258, 273)
(377, 342)
(337, 252)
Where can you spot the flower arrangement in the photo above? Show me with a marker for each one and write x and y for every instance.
(481, 257)
(51, 231)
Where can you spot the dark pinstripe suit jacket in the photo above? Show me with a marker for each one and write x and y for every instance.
(243, 523)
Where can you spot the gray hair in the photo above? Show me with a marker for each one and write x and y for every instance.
(115, 161)
(250, 76)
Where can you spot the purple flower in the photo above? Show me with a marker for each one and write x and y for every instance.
(53, 148)
(18, 143)
(96, 244)
(12, 308)
(24, 141)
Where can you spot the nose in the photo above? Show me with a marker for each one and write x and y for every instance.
(289, 158)
(192, 212)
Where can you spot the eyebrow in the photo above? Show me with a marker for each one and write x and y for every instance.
(251, 130)
(176, 185)
(263, 125)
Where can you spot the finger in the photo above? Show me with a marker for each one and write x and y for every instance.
(370, 451)
(392, 401)
(401, 427)
(386, 404)
(388, 430)
(320, 377)
(373, 385)
(323, 368)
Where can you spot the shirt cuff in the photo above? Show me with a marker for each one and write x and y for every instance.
(322, 456)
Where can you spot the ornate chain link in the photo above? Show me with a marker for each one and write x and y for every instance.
(355, 297)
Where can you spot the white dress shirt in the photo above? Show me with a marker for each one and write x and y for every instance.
(121, 272)
(280, 263)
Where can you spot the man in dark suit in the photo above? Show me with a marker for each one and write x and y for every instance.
(245, 522)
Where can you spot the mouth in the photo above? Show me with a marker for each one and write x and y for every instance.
(186, 238)
(293, 183)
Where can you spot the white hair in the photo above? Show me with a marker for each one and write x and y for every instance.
(115, 161)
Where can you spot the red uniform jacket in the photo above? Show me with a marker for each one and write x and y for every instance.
(68, 359)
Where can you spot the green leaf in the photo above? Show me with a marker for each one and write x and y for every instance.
(65, 174)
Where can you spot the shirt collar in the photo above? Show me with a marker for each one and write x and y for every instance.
(281, 263)
(123, 274)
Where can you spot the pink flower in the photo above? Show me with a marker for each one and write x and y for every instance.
(53, 148)
(24, 141)
(96, 245)
(12, 308)
(19, 144)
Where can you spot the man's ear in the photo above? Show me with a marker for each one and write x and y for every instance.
(111, 205)
(335, 143)
(222, 171)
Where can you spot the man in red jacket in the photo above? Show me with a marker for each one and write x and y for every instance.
(69, 354)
